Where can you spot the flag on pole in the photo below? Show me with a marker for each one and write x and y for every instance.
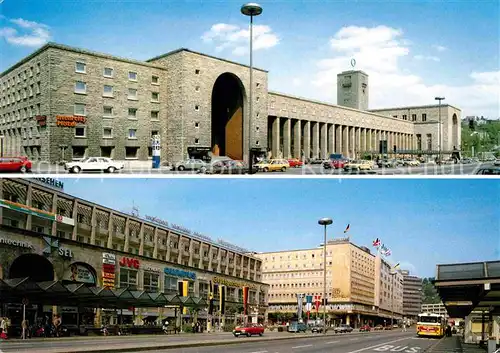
(347, 228)
(388, 252)
(377, 242)
(396, 266)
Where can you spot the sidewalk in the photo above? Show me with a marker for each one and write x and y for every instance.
(447, 345)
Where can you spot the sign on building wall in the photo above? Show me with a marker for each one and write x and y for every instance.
(231, 283)
(108, 270)
(16, 243)
(129, 262)
(69, 120)
(80, 273)
(57, 184)
(179, 273)
(18, 207)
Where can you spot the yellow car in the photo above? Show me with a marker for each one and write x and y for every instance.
(359, 165)
(273, 165)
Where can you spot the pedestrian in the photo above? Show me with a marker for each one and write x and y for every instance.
(404, 327)
(5, 327)
(2, 326)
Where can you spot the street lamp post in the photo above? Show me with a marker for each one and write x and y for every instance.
(324, 222)
(251, 9)
(440, 137)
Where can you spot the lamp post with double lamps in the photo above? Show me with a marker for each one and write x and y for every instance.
(324, 222)
(440, 137)
(251, 9)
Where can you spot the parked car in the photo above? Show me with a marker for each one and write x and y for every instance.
(365, 328)
(248, 330)
(93, 164)
(319, 329)
(343, 329)
(273, 165)
(488, 170)
(388, 163)
(189, 164)
(335, 164)
(411, 163)
(15, 164)
(378, 328)
(388, 327)
(295, 163)
(227, 167)
(358, 165)
(296, 326)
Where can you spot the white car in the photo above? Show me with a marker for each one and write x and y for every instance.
(94, 164)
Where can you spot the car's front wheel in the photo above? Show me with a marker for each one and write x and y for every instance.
(283, 169)
(23, 169)
(76, 169)
(249, 334)
(111, 169)
(260, 334)
(180, 168)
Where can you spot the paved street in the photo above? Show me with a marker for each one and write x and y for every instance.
(271, 342)
(145, 168)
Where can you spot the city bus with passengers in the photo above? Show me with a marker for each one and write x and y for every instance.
(429, 324)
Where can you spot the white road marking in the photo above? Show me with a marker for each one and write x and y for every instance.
(331, 342)
(304, 346)
(354, 339)
(259, 352)
(378, 345)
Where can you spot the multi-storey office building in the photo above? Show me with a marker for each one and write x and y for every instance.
(151, 254)
(358, 284)
(434, 309)
(412, 295)
(63, 103)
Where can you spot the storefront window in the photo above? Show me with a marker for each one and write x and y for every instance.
(128, 278)
(151, 282)
(191, 288)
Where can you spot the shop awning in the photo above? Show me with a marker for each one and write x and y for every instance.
(469, 287)
(56, 293)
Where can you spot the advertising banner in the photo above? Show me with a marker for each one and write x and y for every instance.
(80, 273)
(300, 299)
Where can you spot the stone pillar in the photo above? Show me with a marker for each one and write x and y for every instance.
(110, 231)
(315, 139)
(287, 141)
(167, 255)
(29, 196)
(54, 210)
(297, 148)
(338, 138)
(276, 138)
(363, 140)
(93, 221)
(307, 139)
(155, 239)
(75, 217)
(345, 141)
(331, 139)
(324, 140)
(352, 141)
(127, 235)
(141, 239)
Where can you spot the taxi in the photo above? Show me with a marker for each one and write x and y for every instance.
(359, 165)
(273, 165)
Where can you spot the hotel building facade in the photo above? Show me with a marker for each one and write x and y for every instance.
(412, 295)
(63, 103)
(360, 286)
(48, 235)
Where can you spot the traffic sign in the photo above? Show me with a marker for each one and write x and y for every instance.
(25, 301)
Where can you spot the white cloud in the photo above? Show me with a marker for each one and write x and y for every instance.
(382, 52)
(236, 39)
(29, 33)
(439, 48)
(423, 57)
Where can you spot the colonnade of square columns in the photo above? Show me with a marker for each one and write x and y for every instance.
(295, 138)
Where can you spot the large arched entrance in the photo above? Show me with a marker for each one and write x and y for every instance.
(454, 132)
(227, 117)
(34, 266)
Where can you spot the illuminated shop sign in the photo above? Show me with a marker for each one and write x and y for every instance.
(108, 270)
(179, 273)
(16, 243)
(129, 262)
(69, 120)
(151, 269)
(231, 283)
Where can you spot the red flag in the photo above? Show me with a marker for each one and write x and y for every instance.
(376, 242)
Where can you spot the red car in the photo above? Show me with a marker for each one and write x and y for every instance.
(15, 164)
(365, 328)
(248, 330)
(335, 164)
(295, 163)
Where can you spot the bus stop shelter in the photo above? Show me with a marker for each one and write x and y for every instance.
(471, 287)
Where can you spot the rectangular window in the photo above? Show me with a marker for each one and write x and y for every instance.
(38, 85)
(81, 67)
(31, 71)
(414, 117)
(107, 111)
(132, 76)
(31, 90)
(108, 72)
(80, 87)
(38, 108)
(128, 278)
(170, 284)
(80, 131)
(155, 115)
(108, 91)
(132, 113)
(155, 96)
(132, 134)
(80, 109)
(424, 117)
(132, 93)
(151, 282)
(155, 80)
(107, 132)
(37, 68)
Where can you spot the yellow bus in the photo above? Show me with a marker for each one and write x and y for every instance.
(429, 324)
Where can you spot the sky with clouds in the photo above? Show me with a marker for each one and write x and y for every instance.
(423, 222)
(412, 50)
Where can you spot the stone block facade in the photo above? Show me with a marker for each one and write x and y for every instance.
(43, 85)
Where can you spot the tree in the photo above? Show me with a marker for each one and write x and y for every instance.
(429, 292)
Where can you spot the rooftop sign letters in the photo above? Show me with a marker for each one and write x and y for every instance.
(196, 235)
(179, 273)
(16, 243)
(51, 182)
(69, 120)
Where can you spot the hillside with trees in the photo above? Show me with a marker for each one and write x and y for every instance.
(429, 292)
(483, 137)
